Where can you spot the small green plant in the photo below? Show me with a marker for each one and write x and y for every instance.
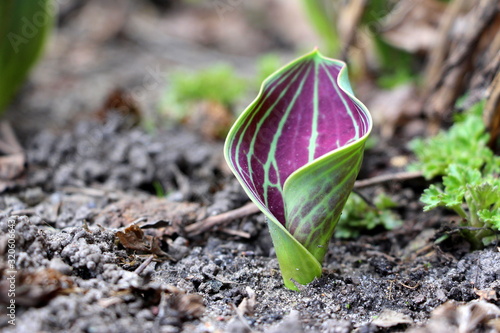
(465, 143)
(218, 83)
(159, 189)
(473, 196)
(359, 216)
(470, 184)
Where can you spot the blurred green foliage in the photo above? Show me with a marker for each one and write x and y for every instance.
(321, 18)
(24, 28)
(266, 65)
(395, 65)
(218, 83)
(358, 216)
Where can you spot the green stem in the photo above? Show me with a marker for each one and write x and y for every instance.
(474, 219)
(480, 234)
(471, 237)
(460, 211)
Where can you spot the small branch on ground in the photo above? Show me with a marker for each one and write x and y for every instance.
(400, 176)
(250, 208)
(221, 219)
(143, 266)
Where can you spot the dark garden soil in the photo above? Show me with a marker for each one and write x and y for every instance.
(98, 250)
(84, 185)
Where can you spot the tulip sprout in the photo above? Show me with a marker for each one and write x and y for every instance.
(297, 150)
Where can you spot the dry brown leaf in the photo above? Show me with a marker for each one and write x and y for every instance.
(211, 119)
(452, 317)
(188, 306)
(133, 238)
(12, 166)
(36, 288)
(464, 51)
(392, 108)
(247, 306)
(119, 101)
(494, 324)
(127, 210)
(487, 66)
(168, 298)
(488, 294)
(349, 19)
(491, 113)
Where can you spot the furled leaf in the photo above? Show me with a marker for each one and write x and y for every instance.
(297, 150)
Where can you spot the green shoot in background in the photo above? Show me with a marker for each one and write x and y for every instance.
(24, 28)
(322, 19)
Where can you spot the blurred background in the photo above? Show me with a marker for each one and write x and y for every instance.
(193, 61)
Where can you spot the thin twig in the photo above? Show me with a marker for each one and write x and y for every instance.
(365, 199)
(381, 254)
(161, 312)
(26, 211)
(92, 192)
(221, 219)
(143, 266)
(238, 233)
(409, 287)
(250, 208)
(399, 176)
